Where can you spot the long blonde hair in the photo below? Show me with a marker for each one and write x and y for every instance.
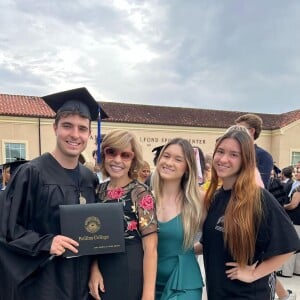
(191, 204)
(244, 210)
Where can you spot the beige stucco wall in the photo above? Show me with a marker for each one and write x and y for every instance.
(19, 130)
(288, 143)
(280, 143)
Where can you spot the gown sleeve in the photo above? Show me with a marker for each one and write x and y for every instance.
(18, 209)
(20, 249)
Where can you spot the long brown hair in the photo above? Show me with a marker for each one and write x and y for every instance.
(244, 210)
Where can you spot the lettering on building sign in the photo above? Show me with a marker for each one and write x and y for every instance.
(197, 141)
(149, 141)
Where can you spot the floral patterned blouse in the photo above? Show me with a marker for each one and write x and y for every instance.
(138, 205)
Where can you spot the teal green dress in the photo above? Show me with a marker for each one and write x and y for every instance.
(178, 273)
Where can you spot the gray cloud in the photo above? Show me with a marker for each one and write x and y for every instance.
(229, 55)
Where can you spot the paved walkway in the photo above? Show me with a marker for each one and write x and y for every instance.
(289, 283)
(292, 284)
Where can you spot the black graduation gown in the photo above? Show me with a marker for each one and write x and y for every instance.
(29, 210)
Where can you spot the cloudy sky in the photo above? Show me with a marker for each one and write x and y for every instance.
(227, 55)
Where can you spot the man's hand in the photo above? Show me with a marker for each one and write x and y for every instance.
(60, 243)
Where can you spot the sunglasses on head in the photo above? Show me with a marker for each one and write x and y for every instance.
(110, 152)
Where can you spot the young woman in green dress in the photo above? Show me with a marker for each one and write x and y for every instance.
(179, 207)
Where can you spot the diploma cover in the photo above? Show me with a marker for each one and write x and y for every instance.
(97, 227)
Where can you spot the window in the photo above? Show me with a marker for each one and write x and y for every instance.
(14, 150)
(295, 157)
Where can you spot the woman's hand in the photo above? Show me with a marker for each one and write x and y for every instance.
(245, 274)
(256, 271)
(198, 248)
(96, 282)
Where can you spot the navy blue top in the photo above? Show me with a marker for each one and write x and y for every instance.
(264, 162)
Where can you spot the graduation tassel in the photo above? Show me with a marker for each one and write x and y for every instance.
(99, 135)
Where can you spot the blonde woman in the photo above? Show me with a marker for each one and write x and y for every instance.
(144, 172)
(176, 190)
(129, 275)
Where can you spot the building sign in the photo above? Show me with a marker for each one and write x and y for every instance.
(150, 141)
(163, 140)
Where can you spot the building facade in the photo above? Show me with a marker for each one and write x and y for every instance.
(26, 128)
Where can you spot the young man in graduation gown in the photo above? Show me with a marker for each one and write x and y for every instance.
(32, 265)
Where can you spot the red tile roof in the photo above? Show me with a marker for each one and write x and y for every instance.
(192, 117)
(25, 106)
(31, 106)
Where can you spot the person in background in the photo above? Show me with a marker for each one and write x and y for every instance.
(32, 246)
(129, 275)
(207, 173)
(200, 162)
(144, 172)
(296, 182)
(179, 210)
(287, 181)
(276, 187)
(246, 234)
(292, 266)
(97, 168)
(156, 152)
(264, 160)
(207, 170)
(8, 169)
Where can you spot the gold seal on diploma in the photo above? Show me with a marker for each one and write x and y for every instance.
(92, 224)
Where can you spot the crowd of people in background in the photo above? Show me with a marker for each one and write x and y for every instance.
(234, 206)
(284, 184)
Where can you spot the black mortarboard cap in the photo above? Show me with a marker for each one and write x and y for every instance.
(276, 169)
(77, 100)
(157, 149)
(156, 152)
(13, 165)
